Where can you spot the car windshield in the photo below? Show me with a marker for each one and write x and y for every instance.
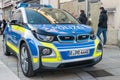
(49, 16)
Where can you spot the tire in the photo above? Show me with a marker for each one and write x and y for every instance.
(5, 48)
(25, 61)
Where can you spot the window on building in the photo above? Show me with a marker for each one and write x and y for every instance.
(111, 19)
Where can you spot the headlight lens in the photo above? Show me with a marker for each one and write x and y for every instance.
(99, 47)
(46, 51)
(44, 38)
(92, 35)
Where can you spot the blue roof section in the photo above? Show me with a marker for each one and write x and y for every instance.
(48, 6)
(22, 4)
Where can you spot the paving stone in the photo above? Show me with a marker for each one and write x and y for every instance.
(85, 75)
(59, 76)
(115, 71)
(109, 78)
(74, 70)
(6, 73)
(100, 73)
(91, 68)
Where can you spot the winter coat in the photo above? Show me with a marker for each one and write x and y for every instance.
(103, 18)
(83, 18)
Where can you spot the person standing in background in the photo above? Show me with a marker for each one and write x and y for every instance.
(102, 25)
(4, 23)
(82, 18)
(0, 24)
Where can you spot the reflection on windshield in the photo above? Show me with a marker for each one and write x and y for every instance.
(52, 20)
(58, 16)
(47, 16)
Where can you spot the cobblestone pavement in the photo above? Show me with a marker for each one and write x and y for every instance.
(107, 69)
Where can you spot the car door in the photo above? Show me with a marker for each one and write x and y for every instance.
(15, 32)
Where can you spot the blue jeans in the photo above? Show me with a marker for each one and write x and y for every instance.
(103, 31)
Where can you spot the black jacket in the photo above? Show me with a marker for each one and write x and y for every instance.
(103, 18)
(83, 18)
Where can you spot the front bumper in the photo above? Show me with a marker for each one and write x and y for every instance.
(73, 64)
(62, 60)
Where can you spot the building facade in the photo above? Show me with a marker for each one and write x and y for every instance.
(113, 8)
(54, 3)
(8, 5)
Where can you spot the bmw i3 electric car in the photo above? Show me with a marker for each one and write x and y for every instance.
(47, 38)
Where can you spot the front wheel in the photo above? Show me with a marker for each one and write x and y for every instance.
(25, 61)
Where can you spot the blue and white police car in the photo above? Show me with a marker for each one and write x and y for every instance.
(46, 38)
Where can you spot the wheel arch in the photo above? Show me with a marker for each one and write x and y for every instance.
(31, 47)
(21, 42)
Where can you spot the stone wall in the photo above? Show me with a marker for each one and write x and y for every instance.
(71, 7)
(94, 14)
(112, 37)
(119, 38)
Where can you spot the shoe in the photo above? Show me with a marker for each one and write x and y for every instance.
(104, 46)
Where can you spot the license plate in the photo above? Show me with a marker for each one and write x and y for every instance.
(79, 52)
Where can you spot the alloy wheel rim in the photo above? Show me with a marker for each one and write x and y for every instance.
(24, 60)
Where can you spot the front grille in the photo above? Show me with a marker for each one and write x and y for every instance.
(73, 38)
(83, 37)
(66, 38)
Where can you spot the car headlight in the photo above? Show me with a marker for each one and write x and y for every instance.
(99, 47)
(44, 38)
(92, 35)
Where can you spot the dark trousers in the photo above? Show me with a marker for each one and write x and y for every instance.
(103, 31)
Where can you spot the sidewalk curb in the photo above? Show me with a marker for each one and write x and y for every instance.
(6, 73)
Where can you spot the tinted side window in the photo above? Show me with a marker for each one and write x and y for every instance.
(35, 17)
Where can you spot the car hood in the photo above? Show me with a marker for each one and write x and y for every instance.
(62, 29)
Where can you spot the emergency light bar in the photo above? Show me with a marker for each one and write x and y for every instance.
(22, 4)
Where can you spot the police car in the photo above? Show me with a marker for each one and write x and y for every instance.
(46, 38)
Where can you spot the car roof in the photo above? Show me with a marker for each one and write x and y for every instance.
(22, 6)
